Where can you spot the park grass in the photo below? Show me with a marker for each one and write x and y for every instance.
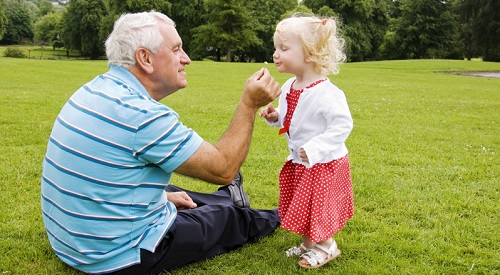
(44, 52)
(424, 154)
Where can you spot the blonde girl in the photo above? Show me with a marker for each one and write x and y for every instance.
(316, 197)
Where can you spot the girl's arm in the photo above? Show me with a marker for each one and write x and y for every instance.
(332, 140)
(271, 115)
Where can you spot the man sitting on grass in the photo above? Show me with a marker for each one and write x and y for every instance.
(106, 200)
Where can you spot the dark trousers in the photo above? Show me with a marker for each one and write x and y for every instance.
(215, 227)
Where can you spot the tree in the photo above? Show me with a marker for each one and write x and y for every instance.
(267, 13)
(187, 16)
(45, 7)
(3, 20)
(363, 23)
(49, 28)
(264, 13)
(19, 25)
(423, 30)
(228, 28)
(116, 8)
(31, 8)
(81, 24)
(481, 28)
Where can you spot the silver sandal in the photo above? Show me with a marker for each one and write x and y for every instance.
(315, 258)
(297, 251)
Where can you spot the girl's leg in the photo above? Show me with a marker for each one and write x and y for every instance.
(307, 242)
(301, 249)
(326, 243)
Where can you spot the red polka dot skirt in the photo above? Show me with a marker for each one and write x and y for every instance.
(317, 201)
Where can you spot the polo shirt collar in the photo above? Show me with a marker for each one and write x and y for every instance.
(128, 78)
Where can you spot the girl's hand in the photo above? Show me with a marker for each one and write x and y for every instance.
(181, 200)
(269, 113)
(303, 155)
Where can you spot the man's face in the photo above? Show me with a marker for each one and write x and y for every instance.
(169, 63)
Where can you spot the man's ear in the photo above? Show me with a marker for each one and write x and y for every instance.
(144, 60)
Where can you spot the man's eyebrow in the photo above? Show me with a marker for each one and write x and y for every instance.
(177, 45)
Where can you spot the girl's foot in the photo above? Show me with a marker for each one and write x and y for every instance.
(297, 251)
(319, 255)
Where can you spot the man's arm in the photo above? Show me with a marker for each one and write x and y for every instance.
(220, 163)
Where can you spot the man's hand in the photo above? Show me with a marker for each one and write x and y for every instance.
(219, 163)
(181, 200)
(260, 89)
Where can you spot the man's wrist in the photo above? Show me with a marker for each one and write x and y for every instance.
(249, 105)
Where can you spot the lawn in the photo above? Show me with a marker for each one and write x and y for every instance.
(44, 52)
(424, 153)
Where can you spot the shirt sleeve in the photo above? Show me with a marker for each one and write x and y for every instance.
(339, 126)
(282, 105)
(164, 141)
(275, 124)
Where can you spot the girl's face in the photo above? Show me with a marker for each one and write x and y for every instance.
(288, 55)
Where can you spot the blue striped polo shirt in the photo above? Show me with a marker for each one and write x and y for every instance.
(110, 156)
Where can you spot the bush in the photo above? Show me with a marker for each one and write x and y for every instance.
(14, 52)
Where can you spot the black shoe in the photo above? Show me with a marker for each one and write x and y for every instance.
(237, 193)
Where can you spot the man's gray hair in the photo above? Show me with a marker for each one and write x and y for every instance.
(133, 31)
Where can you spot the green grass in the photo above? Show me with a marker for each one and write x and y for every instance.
(44, 52)
(424, 152)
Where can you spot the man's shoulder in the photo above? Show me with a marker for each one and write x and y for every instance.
(111, 102)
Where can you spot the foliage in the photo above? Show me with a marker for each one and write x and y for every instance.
(19, 22)
(300, 9)
(423, 26)
(187, 16)
(3, 20)
(242, 30)
(267, 14)
(45, 7)
(46, 53)
(118, 7)
(31, 7)
(364, 23)
(106, 25)
(481, 19)
(49, 28)
(14, 52)
(115, 8)
(424, 158)
(81, 25)
(228, 28)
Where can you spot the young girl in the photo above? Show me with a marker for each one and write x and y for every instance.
(315, 183)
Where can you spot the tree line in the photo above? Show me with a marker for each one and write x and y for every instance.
(242, 30)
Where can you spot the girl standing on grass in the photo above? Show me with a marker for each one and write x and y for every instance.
(315, 182)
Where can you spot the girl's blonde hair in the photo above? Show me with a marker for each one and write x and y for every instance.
(321, 40)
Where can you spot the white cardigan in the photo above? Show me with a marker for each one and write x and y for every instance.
(320, 124)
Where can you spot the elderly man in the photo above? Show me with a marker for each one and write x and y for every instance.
(106, 200)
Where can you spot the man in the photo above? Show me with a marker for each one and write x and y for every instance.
(106, 202)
